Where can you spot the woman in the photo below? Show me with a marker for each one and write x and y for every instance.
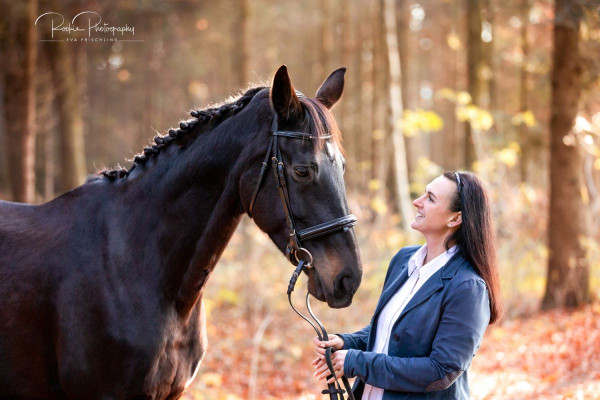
(436, 303)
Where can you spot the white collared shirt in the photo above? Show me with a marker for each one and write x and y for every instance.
(418, 274)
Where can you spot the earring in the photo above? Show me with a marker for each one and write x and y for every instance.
(449, 225)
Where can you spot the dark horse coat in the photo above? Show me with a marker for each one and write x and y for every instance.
(101, 288)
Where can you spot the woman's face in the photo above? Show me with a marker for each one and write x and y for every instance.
(433, 208)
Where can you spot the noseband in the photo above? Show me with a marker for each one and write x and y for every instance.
(294, 250)
(297, 254)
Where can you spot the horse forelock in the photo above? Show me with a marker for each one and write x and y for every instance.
(322, 121)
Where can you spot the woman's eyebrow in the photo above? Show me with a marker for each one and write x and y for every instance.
(429, 192)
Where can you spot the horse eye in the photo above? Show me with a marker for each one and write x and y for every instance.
(301, 171)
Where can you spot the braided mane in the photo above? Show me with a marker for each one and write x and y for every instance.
(202, 118)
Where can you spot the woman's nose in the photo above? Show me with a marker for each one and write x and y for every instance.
(417, 203)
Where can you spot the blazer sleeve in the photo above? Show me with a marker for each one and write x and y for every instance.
(462, 325)
(357, 340)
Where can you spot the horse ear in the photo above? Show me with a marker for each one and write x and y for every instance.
(331, 90)
(283, 96)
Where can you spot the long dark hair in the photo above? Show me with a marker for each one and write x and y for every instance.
(476, 237)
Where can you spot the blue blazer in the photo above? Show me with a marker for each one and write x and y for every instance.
(433, 340)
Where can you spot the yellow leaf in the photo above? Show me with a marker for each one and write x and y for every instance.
(378, 134)
(195, 394)
(446, 93)
(395, 239)
(482, 121)
(378, 205)
(463, 98)
(416, 187)
(543, 251)
(364, 165)
(525, 117)
(296, 351)
(420, 121)
(515, 147)
(528, 193)
(228, 296)
(212, 379)
(453, 41)
(529, 118)
(434, 121)
(462, 113)
(208, 305)
(517, 119)
(508, 157)
(374, 185)
(585, 197)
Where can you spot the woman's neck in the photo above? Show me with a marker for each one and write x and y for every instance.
(435, 247)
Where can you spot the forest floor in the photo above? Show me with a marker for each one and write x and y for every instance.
(547, 355)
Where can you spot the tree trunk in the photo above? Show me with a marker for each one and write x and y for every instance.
(3, 143)
(240, 45)
(474, 64)
(356, 74)
(378, 109)
(345, 112)
(568, 269)
(19, 100)
(324, 40)
(70, 126)
(454, 158)
(408, 90)
(524, 92)
(395, 94)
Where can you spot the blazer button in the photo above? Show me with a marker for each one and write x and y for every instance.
(396, 337)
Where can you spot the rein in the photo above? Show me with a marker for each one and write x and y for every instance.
(295, 253)
(335, 393)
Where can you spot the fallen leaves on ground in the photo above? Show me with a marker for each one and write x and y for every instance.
(550, 355)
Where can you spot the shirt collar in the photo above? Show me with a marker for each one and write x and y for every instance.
(417, 259)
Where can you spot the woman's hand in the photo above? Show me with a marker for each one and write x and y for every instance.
(334, 341)
(337, 358)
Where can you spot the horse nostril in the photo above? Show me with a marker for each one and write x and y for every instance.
(344, 284)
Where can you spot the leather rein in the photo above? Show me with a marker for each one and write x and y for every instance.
(295, 253)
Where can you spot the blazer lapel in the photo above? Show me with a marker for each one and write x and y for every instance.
(435, 282)
(391, 289)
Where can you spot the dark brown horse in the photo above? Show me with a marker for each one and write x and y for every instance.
(101, 288)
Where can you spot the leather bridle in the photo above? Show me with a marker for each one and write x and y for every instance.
(295, 252)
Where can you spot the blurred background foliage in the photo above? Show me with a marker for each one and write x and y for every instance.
(476, 93)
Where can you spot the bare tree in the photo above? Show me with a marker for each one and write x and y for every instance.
(523, 90)
(395, 94)
(20, 45)
(240, 49)
(568, 269)
(474, 64)
(72, 161)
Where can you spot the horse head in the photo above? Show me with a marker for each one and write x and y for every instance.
(311, 168)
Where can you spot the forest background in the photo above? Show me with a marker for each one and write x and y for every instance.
(507, 89)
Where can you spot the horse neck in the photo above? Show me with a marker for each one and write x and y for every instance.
(196, 191)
